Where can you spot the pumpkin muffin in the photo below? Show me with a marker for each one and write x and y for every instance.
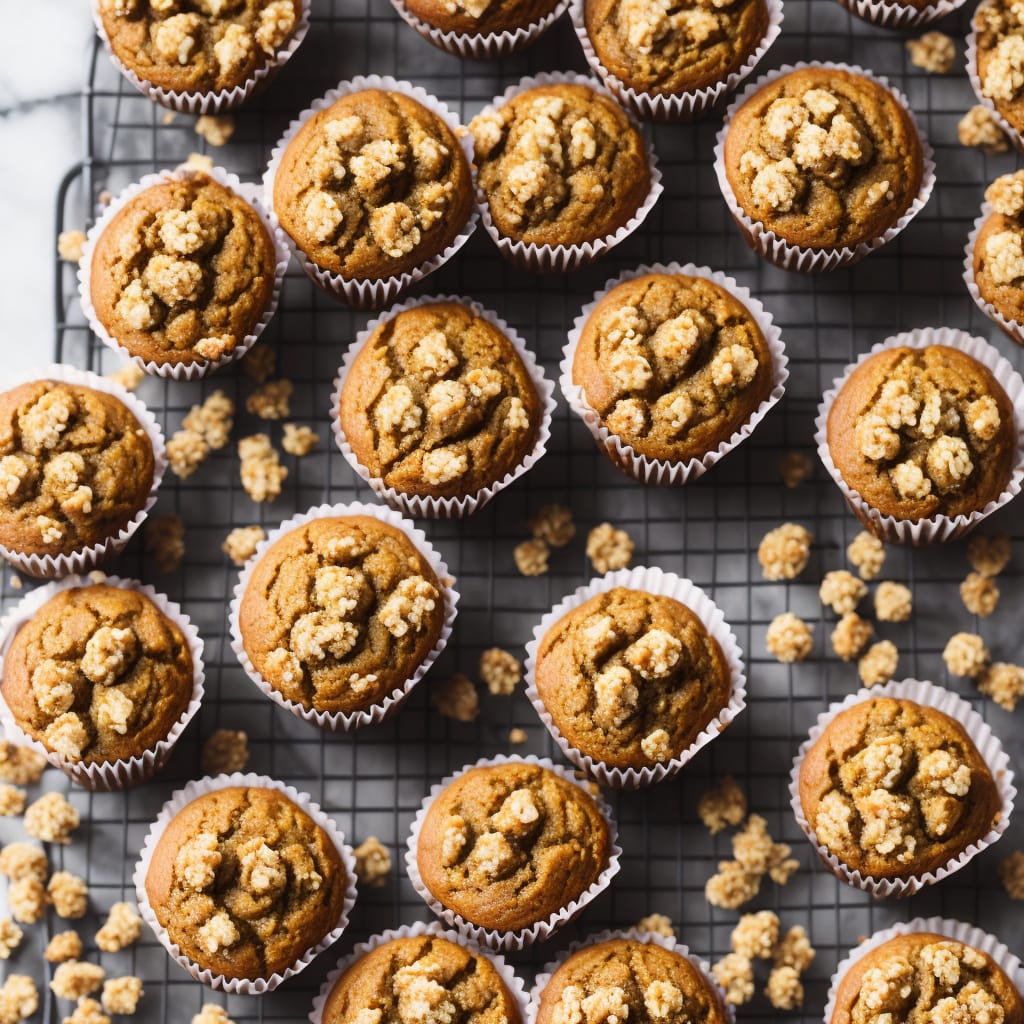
(630, 979)
(373, 186)
(824, 158)
(507, 845)
(439, 403)
(999, 40)
(244, 882)
(919, 432)
(75, 467)
(560, 164)
(99, 673)
(340, 612)
(896, 789)
(480, 17)
(997, 260)
(926, 977)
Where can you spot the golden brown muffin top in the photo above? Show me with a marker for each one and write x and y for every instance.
(75, 467)
(999, 247)
(373, 185)
(999, 34)
(244, 881)
(197, 45)
(421, 980)
(439, 402)
(98, 673)
(507, 845)
(481, 17)
(560, 165)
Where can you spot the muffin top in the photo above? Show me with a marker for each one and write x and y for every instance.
(999, 247)
(426, 979)
(631, 980)
(75, 467)
(824, 158)
(438, 402)
(919, 432)
(340, 612)
(373, 186)
(560, 165)
(481, 17)
(183, 272)
(999, 34)
(507, 845)
(244, 881)
(664, 49)
(99, 673)
(926, 977)
(894, 788)
(197, 45)
(674, 365)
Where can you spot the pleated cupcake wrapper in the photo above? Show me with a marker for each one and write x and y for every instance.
(253, 195)
(83, 559)
(799, 258)
(546, 259)
(685, 106)
(959, 931)
(105, 775)
(433, 930)
(372, 293)
(896, 15)
(992, 753)
(975, 79)
(521, 938)
(486, 46)
(937, 528)
(665, 471)
(426, 505)
(345, 721)
(181, 799)
(632, 935)
(1013, 329)
(213, 102)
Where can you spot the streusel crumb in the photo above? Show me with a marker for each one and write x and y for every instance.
(212, 1014)
(52, 819)
(20, 765)
(783, 552)
(789, 638)
(531, 557)
(216, 130)
(658, 924)
(122, 927)
(784, 990)
(934, 52)
(850, 636)
(199, 162)
(76, 978)
(893, 602)
(841, 591)
(69, 895)
(122, 995)
(129, 376)
(373, 862)
(10, 937)
(23, 860)
(261, 471)
(299, 440)
(500, 671)
(553, 524)
(794, 950)
(609, 548)
(722, 805)
(978, 128)
(12, 800)
(966, 655)
(866, 554)
(988, 553)
(225, 751)
(260, 363)
(87, 1011)
(70, 245)
(27, 899)
(756, 935)
(732, 886)
(163, 539)
(15, 581)
(240, 543)
(19, 999)
(63, 946)
(1011, 873)
(456, 697)
(979, 594)
(754, 848)
(186, 452)
(879, 663)
(1004, 683)
(735, 974)
(517, 736)
(271, 401)
(212, 420)
(795, 468)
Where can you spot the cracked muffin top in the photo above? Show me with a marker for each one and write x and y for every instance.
(75, 467)
(631, 678)
(560, 165)
(244, 882)
(421, 980)
(373, 186)
(926, 978)
(98, 673)
(197, 45)
(674, 365)
(508, 845)
(481, 17)
(919, 432)
(824, 158)
(999, 35)
(183, 272)
(625, 979)
(998, 259)
(438, 402)
(340, 612)
(661, 48)
(894, 788)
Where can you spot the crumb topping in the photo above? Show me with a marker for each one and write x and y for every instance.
(722, 805)
(609, 548)
(894, 602)
(841, 591)
(70, 245)
(500, 671)
(260, 468)
(1003, 682)
(121, 928)
(299, 440)
(878, 665)
(979, 594)
(240, 544)
(270, 401)
(989, 553)
(20, 765)
(121, 995)
(1011, 873)
(225, 751)
(735, 973)
(867, 554)
(164, 541)
(52, 819)
(979, 128)
(659, 924)
(934, 52)
(553, 524)
(966, 655)
(456, 697)
(63, 946)
(76, 978)
(531, 557)
(68, 895)
(784, 551)
(789, 638)
(373, 862)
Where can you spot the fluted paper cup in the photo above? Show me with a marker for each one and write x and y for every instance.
(1011, 328)
(1012, 133)
(896, 15)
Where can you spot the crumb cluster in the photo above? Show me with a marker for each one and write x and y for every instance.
(206, 428)
(609, 548)
(456, 697)
(225, 751)
(373, 862)
(163, 538)
(789, 638)
(784, 551)
(531, 557)
(553, 524)
(724, 804)
(500, 671)
(934, 52)
(755, 855)
(261, 471)
(240, 544)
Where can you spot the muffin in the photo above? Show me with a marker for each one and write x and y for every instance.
(995, 62)
(995, 274)
(471, 17)
(901, 13)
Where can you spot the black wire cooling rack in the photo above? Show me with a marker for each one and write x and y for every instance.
(372, 781)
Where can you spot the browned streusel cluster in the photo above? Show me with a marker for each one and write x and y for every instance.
(879, 663)
(724, 804)
(866, 554)
(795, 468)
(755, 855)
(271, 401)
(1011, 873)
(299, 440)
(70, 245)
(261, 471)
(784, 551)
(456, 697)
(240, 544)
(934, 52)
(163, 538)
(658, 924)
(500, 671)
(51, 818)
(215, 129)
(260, 363)
(553, 524)
(225, 751)
(373, 862)
(121, 928)
(531, 557)
(789, 638)
(979, 128)
(609, 548)
(212, 1014)
(12, 800)
(21, 766)
(206, 428)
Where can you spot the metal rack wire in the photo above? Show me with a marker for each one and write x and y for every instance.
(372, 782)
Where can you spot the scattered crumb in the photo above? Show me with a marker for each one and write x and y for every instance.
(794, 950)
(186, 452)
(216, 130)
(735, 974)
(69, 895)
(76, 978)
(373, 862)
(893, 602)
(121, 928)
(163, 539)
(15, 581)
(732, 886)
(789, 638)
(129, 376)
(609, 548)
(966, 655)
(299, 440)
(105, 198)
(724, 804)
(756, 855)
(456, 697)
(934, 52)
(553, 524)
(168, 117)
(783, 552)
(850, 635)
(866, 554)
(795, 468)
(1004, 683)
(500, 671)
(979, 594)
(659, 924)
(270, 401)
(20, 765)
(225, 751)
(212, 1014)
(70, 245)
(517, 736)
(878, 665)
(12, 800)
(240, 543)
(1011, 871)
(978, 127)
(784, 990)
(10, 937)
(19, 999)
(26, 899)
(261, 471)
(52, 819)
(23, 860)
(988, 553)
(212, 420)
(122, 995)
(756, 935)
(531, 557)
(63, 946)
(259, 363)
(199, 162)
(841, 591)
(87, 1011)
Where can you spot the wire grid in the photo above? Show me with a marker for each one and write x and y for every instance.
(372, 781)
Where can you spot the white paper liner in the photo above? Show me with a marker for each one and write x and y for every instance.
(219, 101)
(988, 745)
(1012, 328)
(956, 930)
(560, 258)
(800, 258)
(200, 367)
(897, 15)
(180, 799)
(685, 106)
(635, 935)
(377, 292)
(81, 560)
(974, 78)
(339, 721)
(424, 504)
(539, 930)
(665, 471)
(104, 775)
(938, 528)
(511, 980)
(486, 46)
